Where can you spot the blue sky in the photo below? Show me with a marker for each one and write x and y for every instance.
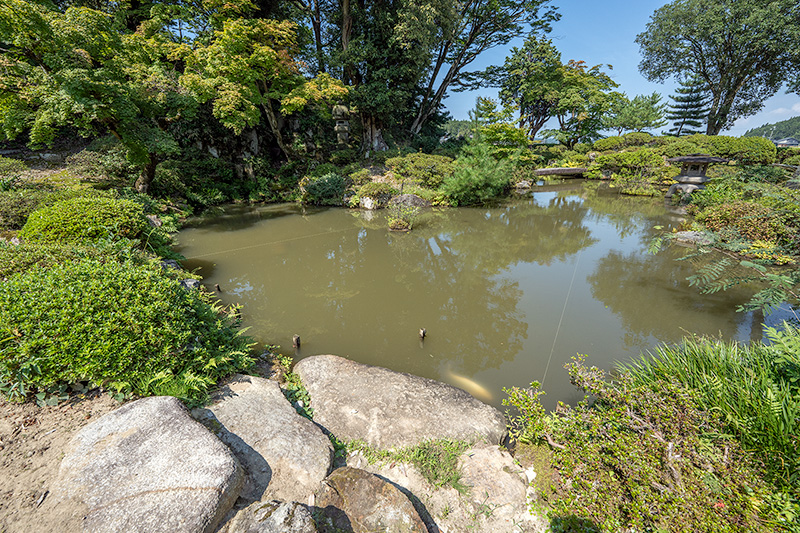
(603, 32)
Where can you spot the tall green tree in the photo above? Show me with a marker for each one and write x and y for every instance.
(644, 112)
(529, 79)
(743, 50)
(248, 73)
(689, 109)
(74, 68)
(585, 96)
(478, 26)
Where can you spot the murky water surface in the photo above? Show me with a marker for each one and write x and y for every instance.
(507, 294)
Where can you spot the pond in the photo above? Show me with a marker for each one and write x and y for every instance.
(508, 294)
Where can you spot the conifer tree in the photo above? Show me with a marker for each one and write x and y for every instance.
(690, 108)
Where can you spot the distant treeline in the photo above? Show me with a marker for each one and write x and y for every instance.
(779, 130)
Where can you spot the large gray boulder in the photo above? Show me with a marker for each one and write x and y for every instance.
(272, 517)
(409, 200)
(354, 500)
(148, 467)
(285, 456)
(390, 409)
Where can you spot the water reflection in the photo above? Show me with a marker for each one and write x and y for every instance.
(507, 294)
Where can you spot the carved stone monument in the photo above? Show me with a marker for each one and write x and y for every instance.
(341, 114)
(693, 172)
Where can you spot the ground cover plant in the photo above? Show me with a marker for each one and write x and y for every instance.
(644, 456)
(123, 326)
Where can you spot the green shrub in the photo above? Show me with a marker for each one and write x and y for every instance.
(382, 157)
(203, 180)
(81, 220)
(343, 157)
(477, 176)
(677, 147)
(642, 457)
(325, 190)
(119, 325)
(755, 388)
(716, 192)
(360, 177)
(506, 140)
(22, 257)
(784, 152)
(644, 163)
(104, 157)
(374, 189)
(753, 221)
(748, 150)
(322, 169)
(10, 166)
(637, 138)
(608, 144)
(16, 206)
(792, 160)
(762, 174)
(423, 169)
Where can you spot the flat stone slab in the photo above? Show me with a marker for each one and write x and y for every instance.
(148, 467)
(354, 500)
(285, 456)
(388, 409)
(693, 237)
(559, 171)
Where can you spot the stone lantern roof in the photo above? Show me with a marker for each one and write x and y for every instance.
(697, 159)
(693, 172)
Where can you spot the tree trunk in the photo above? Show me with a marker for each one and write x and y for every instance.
(316, 22)
(372, 137)
(144, 180)
(347, 29)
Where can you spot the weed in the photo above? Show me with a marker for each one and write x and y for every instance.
(436, 460)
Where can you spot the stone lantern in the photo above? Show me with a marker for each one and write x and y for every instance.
(693, 172)
(341, 114)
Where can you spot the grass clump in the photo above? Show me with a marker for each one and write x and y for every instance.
(755, 388)
(643, 456)
(120, 325)
(436, 460)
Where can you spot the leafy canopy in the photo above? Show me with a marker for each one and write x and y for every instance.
(743, 50)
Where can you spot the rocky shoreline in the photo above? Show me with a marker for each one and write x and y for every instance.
(249, 463)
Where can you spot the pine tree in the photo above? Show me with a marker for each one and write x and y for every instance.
(689, 110)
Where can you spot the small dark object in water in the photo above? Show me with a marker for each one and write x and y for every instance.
(422, 333)
(216, 286)
(296, 341)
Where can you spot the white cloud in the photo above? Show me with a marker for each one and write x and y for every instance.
(796, 107)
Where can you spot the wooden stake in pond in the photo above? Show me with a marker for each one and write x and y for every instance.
(422, 333)
(216, 286)
(296, 341)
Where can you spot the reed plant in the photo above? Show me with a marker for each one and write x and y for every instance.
(754, 388)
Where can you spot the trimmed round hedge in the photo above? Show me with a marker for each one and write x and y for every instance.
(85, 219)
(120, 325)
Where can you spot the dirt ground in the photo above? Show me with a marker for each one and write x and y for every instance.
(32, 442)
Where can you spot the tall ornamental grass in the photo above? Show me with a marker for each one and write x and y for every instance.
(755, 389)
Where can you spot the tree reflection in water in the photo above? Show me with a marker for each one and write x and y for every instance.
(488, 284)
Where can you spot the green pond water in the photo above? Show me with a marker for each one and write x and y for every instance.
(507, 294)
